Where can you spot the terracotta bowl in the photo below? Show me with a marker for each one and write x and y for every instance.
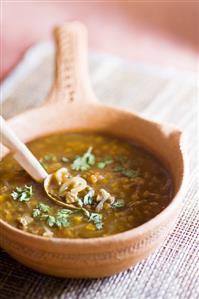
(72, 105)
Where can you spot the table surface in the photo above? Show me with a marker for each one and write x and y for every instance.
(164, 95)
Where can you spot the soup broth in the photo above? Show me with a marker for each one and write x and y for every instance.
(125, 187)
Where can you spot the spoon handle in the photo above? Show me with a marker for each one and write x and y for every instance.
(20, 152)
(71, 65)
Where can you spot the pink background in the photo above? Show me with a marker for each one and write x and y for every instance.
(160, 32)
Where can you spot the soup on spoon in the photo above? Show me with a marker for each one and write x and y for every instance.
(107, 185)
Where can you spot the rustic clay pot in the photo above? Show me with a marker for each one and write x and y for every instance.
(72, 105)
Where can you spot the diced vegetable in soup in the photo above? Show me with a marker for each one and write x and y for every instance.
(108, 184)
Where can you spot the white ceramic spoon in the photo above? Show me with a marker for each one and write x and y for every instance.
(27, 160)
(21, 153)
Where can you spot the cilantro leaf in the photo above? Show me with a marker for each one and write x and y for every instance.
(96, 219)
(104, 163)
(39, 210)
(130, 173)
(61, 219)
(51, 221)
(88, 198)
(64, 212)
(99, 225)
(118, 203)
(43, 207)
(36, 213)
(22, 194)
(50, 158)
(118, 168)
(84, 162)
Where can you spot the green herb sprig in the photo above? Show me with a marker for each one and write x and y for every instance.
(40, 209)
(61, 219)
(103, 164)
(84, 162)
(50, 158)
(96, 218)
(118, 203)
(130, 173)
(22, 194)
(88, 198)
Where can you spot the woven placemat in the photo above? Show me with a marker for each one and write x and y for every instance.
(162, 94)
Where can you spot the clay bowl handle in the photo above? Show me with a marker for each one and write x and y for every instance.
(71, 66)
(21, 153)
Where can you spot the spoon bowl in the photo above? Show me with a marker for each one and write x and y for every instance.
(72, 106)
(54, 196)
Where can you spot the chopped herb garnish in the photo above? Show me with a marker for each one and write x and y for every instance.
(118, 203)
(96, 219)
(40, 208)
(43, 208)
(50, 158)
(64, 159)
(104, 163)
(99, 225)
(36, 213)
(51, 221)
(22, 193)
(84, 162)
(88, 198)
(131, 173)
(61, 219)
(118, 168)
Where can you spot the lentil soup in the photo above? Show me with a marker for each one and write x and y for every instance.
(114, 185)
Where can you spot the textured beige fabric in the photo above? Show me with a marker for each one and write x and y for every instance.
(162, 94)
